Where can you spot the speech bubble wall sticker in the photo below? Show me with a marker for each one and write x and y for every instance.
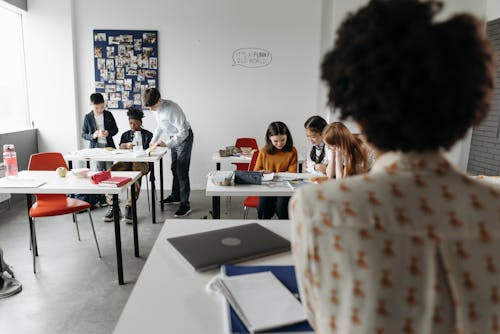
(251, 57)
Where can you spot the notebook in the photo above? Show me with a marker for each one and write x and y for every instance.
(286, 275)
(115, 181)
(209, 250)
(261, 301)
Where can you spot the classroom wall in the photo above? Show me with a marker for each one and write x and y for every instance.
(196, 42)
(492, 9)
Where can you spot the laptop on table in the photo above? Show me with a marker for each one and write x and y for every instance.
(209, 250)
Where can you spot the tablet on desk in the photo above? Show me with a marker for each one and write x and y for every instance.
(209, 250)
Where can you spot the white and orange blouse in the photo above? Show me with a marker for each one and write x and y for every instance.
(411, 247)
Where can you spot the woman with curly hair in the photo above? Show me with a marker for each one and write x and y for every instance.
(413, 246)
(348, 155)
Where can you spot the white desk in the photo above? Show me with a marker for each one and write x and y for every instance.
(72, 184)
(244, 190)
(101, 154)
(170, 297)
(243, 159)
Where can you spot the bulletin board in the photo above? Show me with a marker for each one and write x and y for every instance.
(125, 64)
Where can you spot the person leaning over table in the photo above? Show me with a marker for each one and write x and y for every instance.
(174, 132)
(414, 245)
(127, 141)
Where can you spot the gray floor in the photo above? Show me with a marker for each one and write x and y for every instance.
(74, 291)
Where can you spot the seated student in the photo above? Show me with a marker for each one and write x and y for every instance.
(317, 159)
(98, 128)
(278, 155)
(127, 141)
(348, 155)
(414, 245)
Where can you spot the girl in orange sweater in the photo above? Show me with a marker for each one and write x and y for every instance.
(278, 155)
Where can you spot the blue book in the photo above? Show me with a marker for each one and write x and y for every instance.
(286, 275)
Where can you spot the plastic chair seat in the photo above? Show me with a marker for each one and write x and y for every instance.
(251, 202)
(72, 205)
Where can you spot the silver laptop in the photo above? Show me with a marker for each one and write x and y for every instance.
(209, 250)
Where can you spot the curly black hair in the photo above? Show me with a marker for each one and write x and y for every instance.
(413, 84)
(133, 113)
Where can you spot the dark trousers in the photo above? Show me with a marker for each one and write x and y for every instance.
(270, 205)
(181, 159)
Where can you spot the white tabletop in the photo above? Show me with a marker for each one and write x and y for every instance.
(54, 184)
(232, 158)
(101, 154)
(170, 297)
(267, 189)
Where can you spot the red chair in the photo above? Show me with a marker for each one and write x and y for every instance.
(48, 205)
(245, 142)
(251, 201)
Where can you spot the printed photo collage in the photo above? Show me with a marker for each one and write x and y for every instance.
(125, 64)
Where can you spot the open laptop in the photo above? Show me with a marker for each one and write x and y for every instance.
(209, 250)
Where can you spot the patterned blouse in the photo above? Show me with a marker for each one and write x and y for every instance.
(411, 247)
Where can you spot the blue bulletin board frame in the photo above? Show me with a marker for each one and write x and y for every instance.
(125, 64)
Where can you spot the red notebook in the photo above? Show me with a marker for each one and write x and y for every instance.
(115, 181)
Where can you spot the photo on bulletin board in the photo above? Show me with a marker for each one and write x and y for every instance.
(125, 65)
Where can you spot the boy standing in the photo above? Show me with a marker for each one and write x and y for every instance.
(128, 141)
(98, 128)
(174, 132)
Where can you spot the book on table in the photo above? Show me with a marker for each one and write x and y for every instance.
(115, 181)
(282, 279)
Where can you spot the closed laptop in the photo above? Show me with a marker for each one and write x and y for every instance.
(209, 250)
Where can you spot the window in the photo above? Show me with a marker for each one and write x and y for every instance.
(13, 94)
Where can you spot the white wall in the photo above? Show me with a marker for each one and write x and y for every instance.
(492, 9)
(196, 41)
(49, 68)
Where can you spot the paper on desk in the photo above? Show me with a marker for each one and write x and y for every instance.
(261, 301)
(292, 176)
(20, 182)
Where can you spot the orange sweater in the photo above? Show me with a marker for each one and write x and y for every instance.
(278, 162)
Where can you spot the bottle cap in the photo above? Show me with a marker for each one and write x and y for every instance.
(9, 147)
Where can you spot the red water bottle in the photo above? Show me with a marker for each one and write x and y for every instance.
(10, 160)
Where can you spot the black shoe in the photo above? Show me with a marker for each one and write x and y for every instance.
(109, 217)
(128, 215)
(102, 202)
(171, 200)
(183, 211)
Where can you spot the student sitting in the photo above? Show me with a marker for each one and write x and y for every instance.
(317, 159)
(278, 155)
(348, 155)
(127, 141)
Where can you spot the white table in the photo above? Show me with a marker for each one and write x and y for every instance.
(101, 154)
(243, 190)
(170, 297)
(53, 184)
(243, 159)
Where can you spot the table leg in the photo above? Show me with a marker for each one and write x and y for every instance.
(153, 195)
(34, 245)
(134, 220)
(217, 166)
(162, 205)
(118, 239)
(216, 207)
